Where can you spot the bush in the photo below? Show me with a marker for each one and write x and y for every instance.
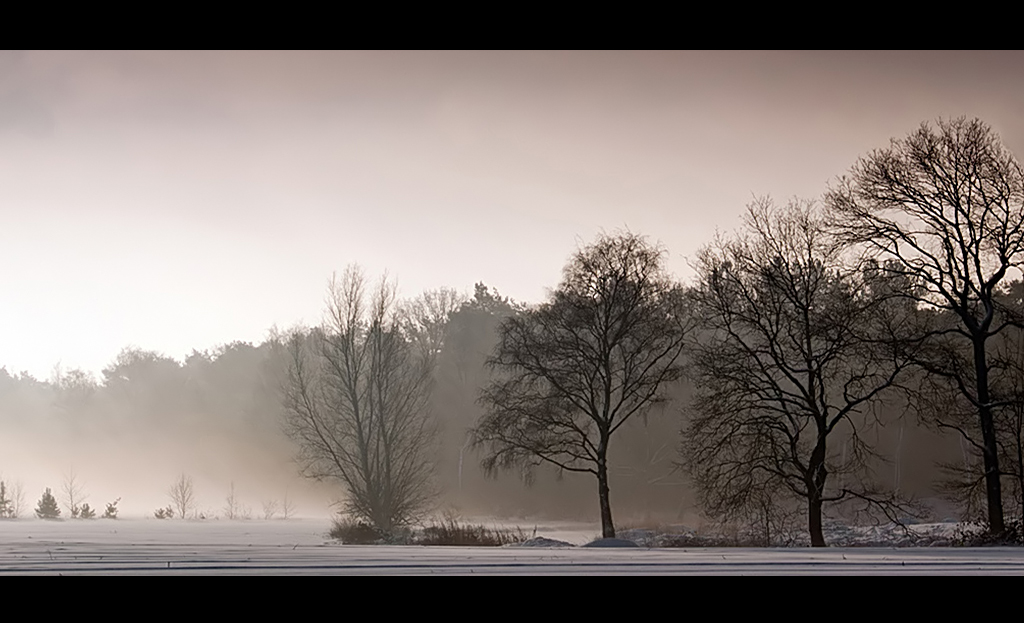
(111, 512)
(354, 532)
(449, 531)
(86, 512)
(6, 503)
(47, 507)
(977, 535)
(269, 509)
(164, 513)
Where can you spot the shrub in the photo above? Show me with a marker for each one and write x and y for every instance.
(47, 507)
(86, 512)
(235, 509)
(164, 513)
(111, 512)
(354, 532)
(6, 503)
(449, 531)
(977, 534)
(270, 508)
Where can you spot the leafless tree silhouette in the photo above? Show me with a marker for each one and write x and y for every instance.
(270, 508)
(73, 492)
(183, 498)
(572, 371)
(791, 353)
(945, 207)
(357, 403)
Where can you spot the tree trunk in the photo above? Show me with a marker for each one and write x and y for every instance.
(1017, 428)
(607, 527)
(814, 521)
(815, 489)
(993, 488)
(1020, 478)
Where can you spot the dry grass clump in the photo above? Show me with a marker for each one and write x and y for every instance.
(976, 534)
(450, 531)
(447, 531)
(353, 532)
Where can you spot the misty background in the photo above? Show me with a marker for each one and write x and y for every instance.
(165, 213)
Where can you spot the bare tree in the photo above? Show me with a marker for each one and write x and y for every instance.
(791, 353)
(183, 498)
(287, 507)
(232, 509)
(74, 494)
(572, 371)
(357, 404)
(270, 508)
(17, 507)
(425, 319)
(945, 206)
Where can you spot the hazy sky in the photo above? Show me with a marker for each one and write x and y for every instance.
(179, 200)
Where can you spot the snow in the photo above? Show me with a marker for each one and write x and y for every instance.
(300, 547)
(541, 541)
(608, 542)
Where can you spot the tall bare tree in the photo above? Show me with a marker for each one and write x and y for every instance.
(572, 371)
(790, 354)
(183, 496)
(357, 404)
(945, 207)
(17, 500)
(233, 508)
(74, 493)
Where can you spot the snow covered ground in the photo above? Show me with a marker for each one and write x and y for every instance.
(300, 547)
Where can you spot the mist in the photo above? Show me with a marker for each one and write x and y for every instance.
(218, 417)
(168, 214)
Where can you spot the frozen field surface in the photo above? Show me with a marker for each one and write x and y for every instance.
(299, 547)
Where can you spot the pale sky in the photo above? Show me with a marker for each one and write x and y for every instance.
(180, 200)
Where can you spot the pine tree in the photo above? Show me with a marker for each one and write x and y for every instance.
(47, 507)
(111, 512)
(6, 504)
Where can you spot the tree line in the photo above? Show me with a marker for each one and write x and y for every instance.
(899, 287)
(762, 386)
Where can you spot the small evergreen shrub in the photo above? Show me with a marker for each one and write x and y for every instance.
(47, 507)
(6, 503)
(111, 512)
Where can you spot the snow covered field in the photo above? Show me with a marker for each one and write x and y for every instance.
(299, 547)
